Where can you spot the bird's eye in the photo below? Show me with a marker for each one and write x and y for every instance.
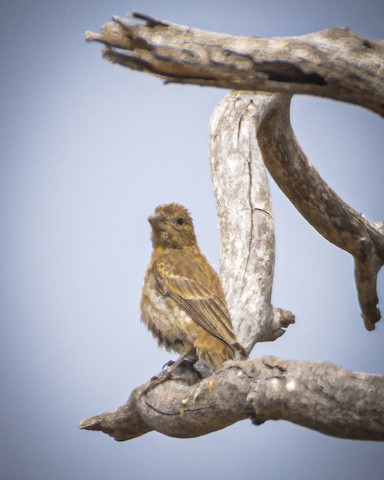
(180, 220)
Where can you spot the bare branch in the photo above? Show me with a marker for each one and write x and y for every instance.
(245, 215)
(320, 205)
(320, 396)
(334, 63)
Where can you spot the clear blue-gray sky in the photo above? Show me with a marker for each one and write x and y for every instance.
(88, 149)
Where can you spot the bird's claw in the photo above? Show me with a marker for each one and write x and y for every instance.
(168, 364)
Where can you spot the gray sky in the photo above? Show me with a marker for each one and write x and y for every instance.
(88, 150)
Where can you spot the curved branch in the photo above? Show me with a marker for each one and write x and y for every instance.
(334, 63)
(320, 205)
(245, 215)
(320, 396)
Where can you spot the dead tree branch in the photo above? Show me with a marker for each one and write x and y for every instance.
(334, 63)
(244, 210)
(317, 395)
(249, 130)
(321, 206)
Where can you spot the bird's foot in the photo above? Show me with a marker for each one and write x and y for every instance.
(185, 362)
(157, 380)
(168, 364)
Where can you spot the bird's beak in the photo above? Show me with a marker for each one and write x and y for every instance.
(156, 220)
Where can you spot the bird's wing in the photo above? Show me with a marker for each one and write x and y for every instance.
(187, 284)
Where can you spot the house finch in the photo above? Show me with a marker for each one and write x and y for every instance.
(182, 300)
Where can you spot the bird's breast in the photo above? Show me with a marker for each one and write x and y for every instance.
(172, 326)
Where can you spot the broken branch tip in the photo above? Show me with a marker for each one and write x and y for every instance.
(90, 36)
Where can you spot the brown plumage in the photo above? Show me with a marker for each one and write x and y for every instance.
(182, 300)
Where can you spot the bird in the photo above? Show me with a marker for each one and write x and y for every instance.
(182, 301)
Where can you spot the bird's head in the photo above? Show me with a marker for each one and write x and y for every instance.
(172, 227)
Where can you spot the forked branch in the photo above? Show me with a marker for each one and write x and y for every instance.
(321, 206)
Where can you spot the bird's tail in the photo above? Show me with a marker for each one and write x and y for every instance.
(215, 352)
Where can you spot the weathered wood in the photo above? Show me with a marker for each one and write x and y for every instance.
(334, 63)
(248, 131)
(317, 395)
(247, 238)
(320, 205)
